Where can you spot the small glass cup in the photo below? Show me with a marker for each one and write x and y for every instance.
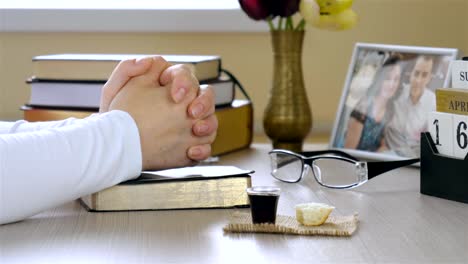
(263, 203)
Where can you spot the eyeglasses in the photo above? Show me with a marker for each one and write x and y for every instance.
(331, 168)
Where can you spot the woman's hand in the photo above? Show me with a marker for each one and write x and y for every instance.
(183, 82)
(165, 128)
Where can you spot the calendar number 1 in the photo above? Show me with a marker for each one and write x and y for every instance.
(436, 123)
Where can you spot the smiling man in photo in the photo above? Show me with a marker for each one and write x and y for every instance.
(411, 109)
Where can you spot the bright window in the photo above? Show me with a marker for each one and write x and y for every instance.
(125, 16)
(121, 4)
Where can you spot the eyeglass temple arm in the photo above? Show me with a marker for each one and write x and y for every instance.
(378, 167)
(330, 151)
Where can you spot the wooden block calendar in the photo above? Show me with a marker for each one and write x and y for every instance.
(444, 148)
(442, 176)
(449, 133)
(448, 126)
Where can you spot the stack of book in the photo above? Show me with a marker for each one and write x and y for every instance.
(69, 85)
(448, 125)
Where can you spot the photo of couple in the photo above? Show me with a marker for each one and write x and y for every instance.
(387, 100)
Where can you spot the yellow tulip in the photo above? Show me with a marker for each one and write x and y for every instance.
(341, 21)
(334, 6)
(310, 11)
(347, 19)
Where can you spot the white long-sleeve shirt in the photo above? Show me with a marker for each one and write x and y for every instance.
(46, 164)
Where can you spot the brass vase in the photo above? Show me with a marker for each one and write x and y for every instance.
(287, 119)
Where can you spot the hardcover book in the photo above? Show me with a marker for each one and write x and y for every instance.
(235, 127)
(98, 67)
(182, 188)
(82, 94)
(235, 123)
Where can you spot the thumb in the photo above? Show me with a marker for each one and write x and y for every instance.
(158, 66)
(185, 75)
(124, 71)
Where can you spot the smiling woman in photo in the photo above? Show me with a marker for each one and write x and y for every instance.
(367, 122)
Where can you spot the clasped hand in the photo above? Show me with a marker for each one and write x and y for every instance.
(175, 118)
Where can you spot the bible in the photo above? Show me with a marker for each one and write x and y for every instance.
(181, 188)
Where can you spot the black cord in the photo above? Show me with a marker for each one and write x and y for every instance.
(236, 82)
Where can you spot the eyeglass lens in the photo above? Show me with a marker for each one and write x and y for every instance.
(286, 167)
(335, 173)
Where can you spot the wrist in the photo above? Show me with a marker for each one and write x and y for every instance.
(132, 139)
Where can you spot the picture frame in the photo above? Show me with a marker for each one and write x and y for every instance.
(387, 95)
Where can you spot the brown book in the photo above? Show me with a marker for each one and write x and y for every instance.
(183, 188)
(235, 123)
(98, 67)
(451, 100)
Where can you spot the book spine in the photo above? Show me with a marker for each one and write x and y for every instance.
(454, 101)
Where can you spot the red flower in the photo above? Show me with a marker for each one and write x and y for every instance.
(261, 9)
(256, 9)
(284, 8)
(325, 14)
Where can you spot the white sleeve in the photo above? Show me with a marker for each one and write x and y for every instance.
(5, 127)
(22, 126)
(43, 169)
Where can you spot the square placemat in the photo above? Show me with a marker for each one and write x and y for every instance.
(334, 226)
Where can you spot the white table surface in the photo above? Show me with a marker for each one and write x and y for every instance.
(397, 225)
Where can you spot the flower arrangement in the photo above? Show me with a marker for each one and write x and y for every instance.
(323, 14)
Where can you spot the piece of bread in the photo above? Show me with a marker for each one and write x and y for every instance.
(313, 214)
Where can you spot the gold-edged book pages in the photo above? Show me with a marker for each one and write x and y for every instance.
(186, 192)
(98, 67)
(452, 100)
(235, 123)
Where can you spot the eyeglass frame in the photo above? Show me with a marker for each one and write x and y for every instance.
(372, 168)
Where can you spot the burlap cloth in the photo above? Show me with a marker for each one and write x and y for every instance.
(334, 226)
